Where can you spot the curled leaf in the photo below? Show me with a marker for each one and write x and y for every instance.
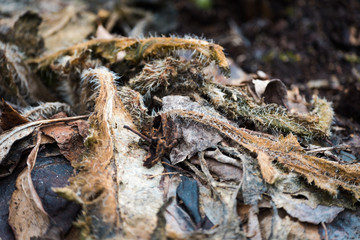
(27, 216)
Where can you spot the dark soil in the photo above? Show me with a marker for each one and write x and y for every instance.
(299, 42)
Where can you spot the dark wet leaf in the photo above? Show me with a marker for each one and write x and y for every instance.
(345, 226)
(188, 193)
(273, 91)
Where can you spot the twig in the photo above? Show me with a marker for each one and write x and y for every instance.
(323, 149)
(325, 229)
(197, 172)
(162, 174)
(138, 133)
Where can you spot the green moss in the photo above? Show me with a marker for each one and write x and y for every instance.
(352, 58)
(204, 4)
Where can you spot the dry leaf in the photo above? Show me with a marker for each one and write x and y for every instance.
(273, 91)
(296, 103)
(253, 226)
(303, 202)
(219, 166)
(27, 216)
(9, 139)
(58, 28)
(10, 117)
(178, 223)
(112, 184)
(326, 174)
(220, 170)
(345, 226)
(194, 138)
(237, 76)
(69, 138)
(286, 228)
(253, 186)
(102, 33)
(22, 30)
(14, 156)
(17, 83)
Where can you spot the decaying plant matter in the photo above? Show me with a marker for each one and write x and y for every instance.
(173, 76)
(225, 148)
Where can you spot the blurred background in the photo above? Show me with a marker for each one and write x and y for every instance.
(312, 46)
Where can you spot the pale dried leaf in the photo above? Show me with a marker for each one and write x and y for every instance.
(305, 213)
(58, 28)
(194, 138)
(253, 225)
(220, 170)
(102, 33)
(27, 216)
(178, 223)
(286, 228)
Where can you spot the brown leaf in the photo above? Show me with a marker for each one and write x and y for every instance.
(163, 138)
(10, 117)
(221, 170)
(27, 216)
(17, 83)
(10, 142)
(327, 175)
(69, 138)
(268, 171)
(273, 91)
(111, 182)
(286, 228)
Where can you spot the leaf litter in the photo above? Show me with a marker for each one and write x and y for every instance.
(168, 150)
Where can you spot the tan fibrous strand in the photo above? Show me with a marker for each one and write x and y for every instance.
(139, 49)
(178, 76)
(325, 174)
